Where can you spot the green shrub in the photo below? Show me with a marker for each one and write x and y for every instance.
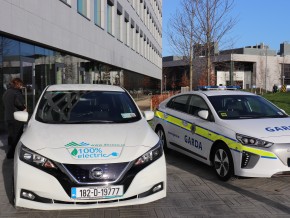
(281, 99)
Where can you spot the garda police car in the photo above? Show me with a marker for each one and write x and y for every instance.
(236, 132)
(87, 146)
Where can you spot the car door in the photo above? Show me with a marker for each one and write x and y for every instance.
(196, 139)
(176, 109)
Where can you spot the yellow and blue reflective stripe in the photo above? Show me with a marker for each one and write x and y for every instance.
(233, 144)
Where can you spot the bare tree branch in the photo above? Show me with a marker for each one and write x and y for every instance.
(197, 27)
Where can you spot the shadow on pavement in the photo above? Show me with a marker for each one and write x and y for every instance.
(3, 142)
(7, 167)
(7, 171)
(207, 173)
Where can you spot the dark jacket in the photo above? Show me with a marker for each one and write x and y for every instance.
(13, 101)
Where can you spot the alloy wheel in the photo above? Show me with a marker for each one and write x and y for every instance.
(221, 162)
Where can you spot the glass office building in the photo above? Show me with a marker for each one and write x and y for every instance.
(101, 42)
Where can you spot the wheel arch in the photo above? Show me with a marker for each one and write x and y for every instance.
(222, 144)
(215, 144)
(158, 126)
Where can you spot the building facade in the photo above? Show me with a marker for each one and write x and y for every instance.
(80, 41)
(253, 67)
(250, 67)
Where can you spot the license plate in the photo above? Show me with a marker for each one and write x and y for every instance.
(96, 192)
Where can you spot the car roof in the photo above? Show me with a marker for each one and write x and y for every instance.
(89, 87)
(218, 92)
(225, 92)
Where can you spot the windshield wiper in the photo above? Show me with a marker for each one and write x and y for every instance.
(276, 116)
(89, 121)
(248, 117)
(262, 116)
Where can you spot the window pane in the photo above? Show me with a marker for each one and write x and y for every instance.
(82, 7)
(26, 49)
(10, 47)
(1, 52)
(132, 38)
(97, 10)
(125, 37)
(109, 19)
(196, 104)
(118, 26)
(179, 103)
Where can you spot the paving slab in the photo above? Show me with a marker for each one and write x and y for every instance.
(193, 191)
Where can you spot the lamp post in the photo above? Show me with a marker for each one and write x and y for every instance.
(283, 76)
(165, 83)
(266, 69)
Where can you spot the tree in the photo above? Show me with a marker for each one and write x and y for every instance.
(198, 27)
(181, 32)
(203, 78)
(213, 23)
(184, 80)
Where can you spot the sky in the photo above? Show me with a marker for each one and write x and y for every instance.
(258, 21)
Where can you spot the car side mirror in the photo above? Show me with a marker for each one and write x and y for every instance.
(149, 115)
(283, 111)
(203, 114)
(21, 116)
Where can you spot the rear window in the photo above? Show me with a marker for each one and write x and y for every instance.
(179, 103)
(86, 107)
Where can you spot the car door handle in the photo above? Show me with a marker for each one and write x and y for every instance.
(184, 123)
(165, 116)
(193, 128)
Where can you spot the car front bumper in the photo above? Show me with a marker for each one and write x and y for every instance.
(275, 163)
(50, 194)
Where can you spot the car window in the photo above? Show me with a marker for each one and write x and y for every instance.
(179, 103)
(86, 107)
(244, 107)
(196, 104)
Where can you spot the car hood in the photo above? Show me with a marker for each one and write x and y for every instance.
(90, 143)
(276, 130)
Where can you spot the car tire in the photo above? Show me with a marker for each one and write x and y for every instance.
(223, 162)
(160, 132)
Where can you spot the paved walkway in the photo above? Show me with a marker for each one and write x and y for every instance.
(193, 191)
(144, 104)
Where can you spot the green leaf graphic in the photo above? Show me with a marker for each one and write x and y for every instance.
(71, 144)
(74, 152)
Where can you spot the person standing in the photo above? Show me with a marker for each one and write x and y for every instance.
(13, 100)
(275, 88)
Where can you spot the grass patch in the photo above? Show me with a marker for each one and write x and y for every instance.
(281, 99)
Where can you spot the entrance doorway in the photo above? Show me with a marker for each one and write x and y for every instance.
(27, 74)
(23, 68)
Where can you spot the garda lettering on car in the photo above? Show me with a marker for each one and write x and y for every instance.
(278, 128)
(85, 150)
(193, 142)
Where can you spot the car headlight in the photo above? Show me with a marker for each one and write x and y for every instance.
(248, 140)
(150, 156)
(32, 158)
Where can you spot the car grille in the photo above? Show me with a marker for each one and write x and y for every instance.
(96, 202)
(249, 160)
(96, 173)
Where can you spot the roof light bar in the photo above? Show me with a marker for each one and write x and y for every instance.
(218, 87)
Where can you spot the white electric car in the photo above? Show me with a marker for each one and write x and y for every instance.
(87, 146)
(236, 132)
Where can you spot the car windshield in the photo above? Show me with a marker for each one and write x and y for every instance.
(69, 107)
(244, 107)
